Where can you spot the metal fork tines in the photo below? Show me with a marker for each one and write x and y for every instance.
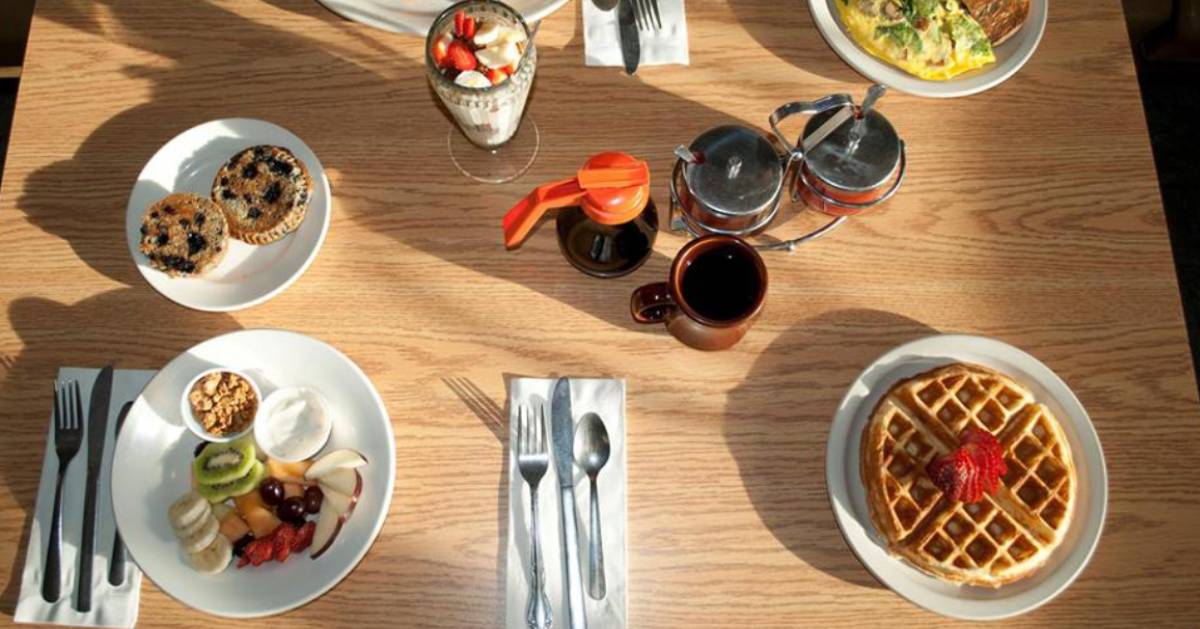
(533, 459)
(647, 15)
(68, 435)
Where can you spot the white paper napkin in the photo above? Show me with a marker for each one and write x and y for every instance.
(607, 399)
(602, 37)
(111, 606)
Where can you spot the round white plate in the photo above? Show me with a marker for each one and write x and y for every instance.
(1010, 55)
(153, 455)
(849, 500)
(416, 16)
(249, 274)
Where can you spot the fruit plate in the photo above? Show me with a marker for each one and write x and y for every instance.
(416, 16)
(848, 498)
(249, 274)
(152, 460)
(1010, 55)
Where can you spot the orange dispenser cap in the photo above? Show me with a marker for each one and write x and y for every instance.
(612, 188)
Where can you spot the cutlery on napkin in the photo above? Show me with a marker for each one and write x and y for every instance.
(605, 397)
(112, 606)
(663, 46)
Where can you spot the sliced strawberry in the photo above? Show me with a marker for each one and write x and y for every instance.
(496, 76)
(304, 537)
(460, 57)
(459, 19)
(439, 50)
(284, 536)
(258, 552)
(468, 28)
(972, 470)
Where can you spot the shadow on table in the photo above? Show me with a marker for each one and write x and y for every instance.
(414, 200)
(75, 340)
(495, 418)
(791, 34)
(777, 423)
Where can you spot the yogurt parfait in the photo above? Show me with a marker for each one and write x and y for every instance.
(481, 60)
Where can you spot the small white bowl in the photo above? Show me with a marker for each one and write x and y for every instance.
(262, 425)
(194, 425)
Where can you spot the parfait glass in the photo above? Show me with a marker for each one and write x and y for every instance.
(490, 143)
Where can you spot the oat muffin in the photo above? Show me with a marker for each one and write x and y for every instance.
(264, 191)
(184, 235)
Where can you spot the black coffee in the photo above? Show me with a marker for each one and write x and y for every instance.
(722, 283)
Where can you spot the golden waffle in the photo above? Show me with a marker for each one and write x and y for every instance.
(992, 542)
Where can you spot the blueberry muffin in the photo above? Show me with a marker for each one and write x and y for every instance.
(184, 235)
(264, 191)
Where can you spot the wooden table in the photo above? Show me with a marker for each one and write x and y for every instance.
(1031, 214)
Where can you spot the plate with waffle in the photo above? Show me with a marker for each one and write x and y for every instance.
(967, 477)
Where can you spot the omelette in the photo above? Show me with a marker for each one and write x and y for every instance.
(930, 39)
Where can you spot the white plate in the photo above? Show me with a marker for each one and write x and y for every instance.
(154, 452)
(416, 16)
(1010, 55)
(249, 274)
(850, 503)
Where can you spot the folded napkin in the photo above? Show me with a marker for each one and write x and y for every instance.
(111, 606)
(607, 399)
(602, 37)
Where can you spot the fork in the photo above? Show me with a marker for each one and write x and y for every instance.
(68, 434)
(533, 458)
(647, 15)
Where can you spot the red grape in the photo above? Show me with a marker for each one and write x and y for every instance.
(291, 510)
(271, 491)
(312, 499)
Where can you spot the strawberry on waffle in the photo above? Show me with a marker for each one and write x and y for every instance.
(967, 476)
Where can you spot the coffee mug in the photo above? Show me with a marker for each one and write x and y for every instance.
(715, 292)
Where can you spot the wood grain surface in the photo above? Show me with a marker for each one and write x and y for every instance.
(1031, 214)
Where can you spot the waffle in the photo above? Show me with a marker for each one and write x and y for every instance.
(998, 540)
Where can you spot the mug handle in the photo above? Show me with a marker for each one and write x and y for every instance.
(651, 303)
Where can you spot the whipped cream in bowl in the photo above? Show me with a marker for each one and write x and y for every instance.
(293, 424)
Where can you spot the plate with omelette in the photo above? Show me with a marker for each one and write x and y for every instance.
(967, 477)
(935, 48)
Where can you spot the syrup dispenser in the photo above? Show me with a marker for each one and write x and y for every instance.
(606, 221)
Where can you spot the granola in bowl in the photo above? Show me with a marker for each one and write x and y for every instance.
(221, 404)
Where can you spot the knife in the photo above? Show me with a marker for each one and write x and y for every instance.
(97, 431)
(562, 429)
(116, 563)
(631, 46)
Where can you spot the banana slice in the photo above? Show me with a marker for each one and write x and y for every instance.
(203, 537)
(214, 557)
(188, 511)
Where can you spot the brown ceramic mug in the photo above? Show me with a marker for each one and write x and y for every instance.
(716, 290)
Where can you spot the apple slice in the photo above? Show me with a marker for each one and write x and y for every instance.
(334, 461)
(329, 524)
(344, 481)
(343, 504)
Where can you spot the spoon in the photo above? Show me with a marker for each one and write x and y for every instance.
(874, 93)
(591, 453)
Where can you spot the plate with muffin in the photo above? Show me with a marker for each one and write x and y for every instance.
(935, 48)
(228, 214)
(967, 477)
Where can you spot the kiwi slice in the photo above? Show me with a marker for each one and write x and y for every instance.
(221, 463)
(238, 487)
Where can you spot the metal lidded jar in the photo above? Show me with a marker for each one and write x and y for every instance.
(855, 168)
(728, 181)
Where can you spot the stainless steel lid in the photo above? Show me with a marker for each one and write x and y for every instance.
(851, 158)
(739, 172)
